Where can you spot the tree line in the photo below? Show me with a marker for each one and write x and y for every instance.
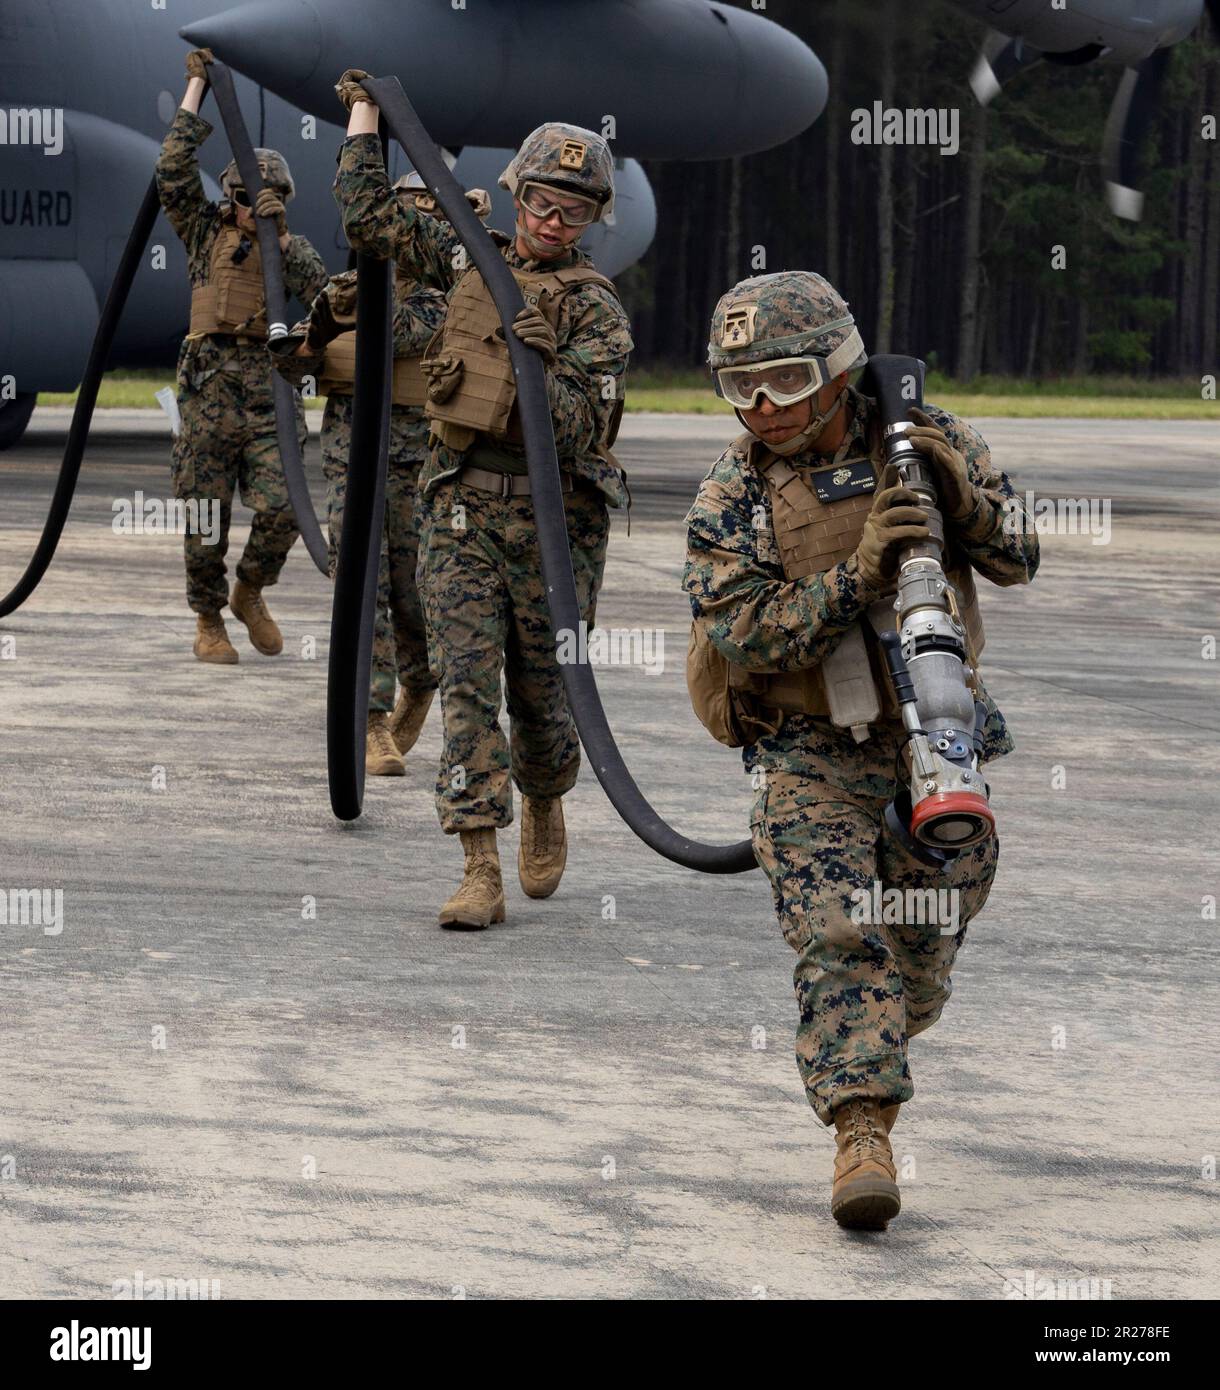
(953, 257)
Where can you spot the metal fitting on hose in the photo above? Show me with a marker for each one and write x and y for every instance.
(947, 809)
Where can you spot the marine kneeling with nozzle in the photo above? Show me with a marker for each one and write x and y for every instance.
(835, 639)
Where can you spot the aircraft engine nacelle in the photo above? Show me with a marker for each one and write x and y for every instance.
(679, 79)
(1120, 31)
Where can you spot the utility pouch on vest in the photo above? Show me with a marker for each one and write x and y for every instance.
(850, 691)
(851, 685)
(716, 701)
(444, 377)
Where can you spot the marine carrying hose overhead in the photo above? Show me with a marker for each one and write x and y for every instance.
(103, 341)
(221, 80)
(547, 498)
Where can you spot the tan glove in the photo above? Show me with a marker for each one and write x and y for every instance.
(480, 200)
(270, 204)
(895, 520)
(532, 328)
(197, 63)
(348, 87)
(333, 312)
(954, 490)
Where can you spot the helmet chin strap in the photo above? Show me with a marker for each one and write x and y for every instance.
(816, 425)
(540, 250)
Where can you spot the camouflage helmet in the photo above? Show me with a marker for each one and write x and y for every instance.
(793, 313)
(566, 156)
(274, 169)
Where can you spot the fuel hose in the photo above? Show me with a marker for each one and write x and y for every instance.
(354, 612)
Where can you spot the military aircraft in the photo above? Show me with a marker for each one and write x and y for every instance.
(1136, 34)
(89, 86)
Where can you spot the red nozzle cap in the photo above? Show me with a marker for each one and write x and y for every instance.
(952, 820)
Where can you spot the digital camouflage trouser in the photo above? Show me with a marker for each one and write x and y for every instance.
(865, 982)
(481, 579)
(228, 443)
(399, 641)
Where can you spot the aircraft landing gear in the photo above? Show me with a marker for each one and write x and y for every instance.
(15, 416)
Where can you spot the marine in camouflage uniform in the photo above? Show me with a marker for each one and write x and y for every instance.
(480, 572)
(399, 638)
(228, 435)
(863, 989)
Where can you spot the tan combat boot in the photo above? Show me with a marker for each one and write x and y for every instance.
(212, 641)
(480, 900)
(865, 1193)
(381, 757)
(247, 604)
(544, 845)
(889, 1113)
(410, 711)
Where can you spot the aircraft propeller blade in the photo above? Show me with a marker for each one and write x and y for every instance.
(1130, 116)
(999, 61)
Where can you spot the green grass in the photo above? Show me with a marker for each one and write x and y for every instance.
(129, 390)
(689, 392)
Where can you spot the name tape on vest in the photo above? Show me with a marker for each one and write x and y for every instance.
(846, 480)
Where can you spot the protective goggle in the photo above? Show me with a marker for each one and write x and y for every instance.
(574, 209)
(786, 380)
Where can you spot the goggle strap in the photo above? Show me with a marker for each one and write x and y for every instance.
(844, 355)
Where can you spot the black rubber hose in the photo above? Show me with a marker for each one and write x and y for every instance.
(82, 414)
(896, 383)
(547, 495)
(354, 612)
(276, 300)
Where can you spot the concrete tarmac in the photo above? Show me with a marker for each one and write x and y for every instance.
(250, 1058)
